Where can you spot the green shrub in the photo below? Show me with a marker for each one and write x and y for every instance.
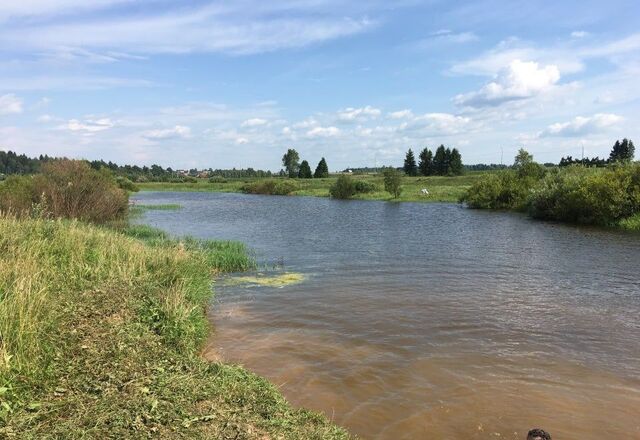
(126, 184)
(588, 195)
(217, 179)
(271, 187)
(189, 179)
(504, 190)
(393, 182)
(365, 187)
(66, 189)
(631, 223)
(343, 188)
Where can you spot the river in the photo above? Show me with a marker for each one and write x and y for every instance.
(429, 320)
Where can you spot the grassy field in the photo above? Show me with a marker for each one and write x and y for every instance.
(441, 189)
(100, 336)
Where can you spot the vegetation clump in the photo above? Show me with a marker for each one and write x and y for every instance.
(270, 187)
(343, 188)
(364, 187)
(393, 182)
(66, 189)
(577, 194)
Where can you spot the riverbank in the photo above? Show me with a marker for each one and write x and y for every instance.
(440, 188)
(101, 337)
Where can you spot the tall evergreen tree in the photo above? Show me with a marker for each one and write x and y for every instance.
(426, 162)
(305, 170)
(322, 170)
(410, 167)
(291, 163)
(455, 162)
(622, 151)
(440, 161)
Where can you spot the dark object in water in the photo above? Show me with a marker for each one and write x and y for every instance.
(538, 434)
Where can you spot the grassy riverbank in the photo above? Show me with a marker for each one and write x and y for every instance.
(441, 189)
(100, 337)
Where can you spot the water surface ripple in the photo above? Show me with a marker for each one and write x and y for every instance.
(430, 320)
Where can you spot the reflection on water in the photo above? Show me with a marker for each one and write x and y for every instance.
(418, 321)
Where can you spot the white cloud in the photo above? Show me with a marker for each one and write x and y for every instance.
(179, 131)
(358, 114)
(437, 124)
(10, 104)
(580, 125)
(579, 34)
(323, 132)
(47, 118)
(518, 80)
(444, 36)
(254, 122)
(89, 125)
(242, 141)
(237, 28)
(401, 114)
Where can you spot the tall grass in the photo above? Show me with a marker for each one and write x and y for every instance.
(100, 333)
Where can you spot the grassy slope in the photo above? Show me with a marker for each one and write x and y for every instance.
(100, 338)
(442, 189)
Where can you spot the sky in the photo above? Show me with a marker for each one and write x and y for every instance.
(203, 83)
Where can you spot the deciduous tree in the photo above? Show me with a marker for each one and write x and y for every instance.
(291, 162)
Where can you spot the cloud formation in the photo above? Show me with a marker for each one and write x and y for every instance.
(179, 131)
(89, 126)
(581, 126)
(10, 104)
(241, 27)
(519, 80)
(358, 114)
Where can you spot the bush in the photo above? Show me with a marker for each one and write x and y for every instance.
(504, 190)
(271, 187)
(393, 182)
(217, 179)
(577, 194)
(189, 179)
(588, 195)
(343, 188)
(126, 184)
(365, 187)
(66, 189)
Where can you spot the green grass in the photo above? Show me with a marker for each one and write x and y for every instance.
(101, 333)
(138, 209)
(441, 189)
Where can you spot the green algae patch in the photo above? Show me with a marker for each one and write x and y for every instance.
(267, 280)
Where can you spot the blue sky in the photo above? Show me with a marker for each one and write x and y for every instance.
(222, 84)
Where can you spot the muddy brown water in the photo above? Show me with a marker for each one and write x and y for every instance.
(430, 320)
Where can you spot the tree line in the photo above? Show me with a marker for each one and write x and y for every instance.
(620, 152)
(445, 162)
